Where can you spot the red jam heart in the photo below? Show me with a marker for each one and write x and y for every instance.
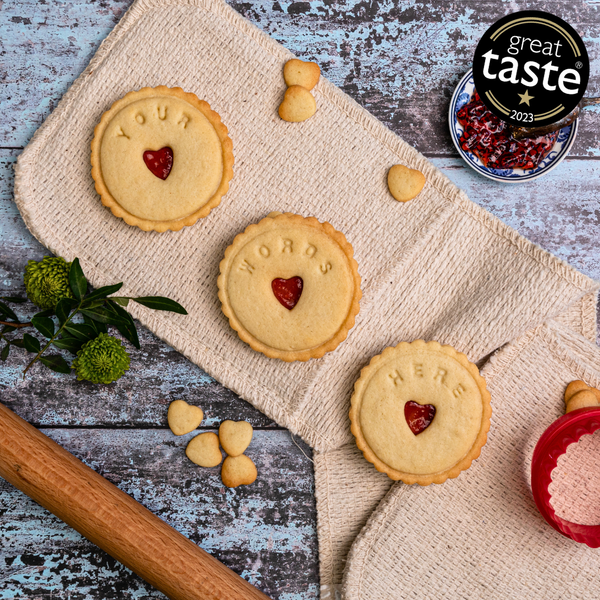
(418, 416)
(160, 162)
(287, 291)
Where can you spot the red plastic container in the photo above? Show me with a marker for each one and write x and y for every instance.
(562, 433)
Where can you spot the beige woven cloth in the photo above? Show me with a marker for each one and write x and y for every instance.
(480, 536)
(438, 267)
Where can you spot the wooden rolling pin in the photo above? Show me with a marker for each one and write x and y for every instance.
(111, 519)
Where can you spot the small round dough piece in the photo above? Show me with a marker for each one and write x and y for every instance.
(303, 73)
(238, 470)
(405, 183)
(298, 105)
(235, 436)
(582, 399)
(204, 450)
(183, 417)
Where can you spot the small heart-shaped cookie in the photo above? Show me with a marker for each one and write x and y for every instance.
(204, 450)
(298, 72)
(298, 104)
(579, 386)
(404, 183)
(574, 387)
(581, 399)
(235, 436)
(183, 417)
(238, 470)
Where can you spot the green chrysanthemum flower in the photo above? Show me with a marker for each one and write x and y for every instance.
(101, 360)
(47, 281)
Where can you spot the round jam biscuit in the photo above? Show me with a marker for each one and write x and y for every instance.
(290, 287)
(420, 412)
(161, 159)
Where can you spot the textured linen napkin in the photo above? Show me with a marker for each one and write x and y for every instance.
(348, 488)
(481, 536)
(438, 267)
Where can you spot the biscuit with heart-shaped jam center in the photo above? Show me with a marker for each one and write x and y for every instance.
(161, 159)
(420, 412)
(290, 287)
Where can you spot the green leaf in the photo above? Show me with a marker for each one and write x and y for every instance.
(81, 331)
(44, 325)
(15, 299)
(4, 353)
(96, 325)
(49, 312)
(31, 344)
(93, 304)
(8, 329)
(56, 363)
(160, 303)
(7, 311)
(104, 292)
(121, 300)
(64, 308)
(77, 280)
(17, 343)
(71, 344)
(127, 328)
(102, 315)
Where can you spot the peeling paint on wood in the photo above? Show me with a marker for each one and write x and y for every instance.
(400, 59)
(265, 531)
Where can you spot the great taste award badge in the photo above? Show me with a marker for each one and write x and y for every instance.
(531, 68)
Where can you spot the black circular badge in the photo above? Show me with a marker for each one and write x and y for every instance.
(531, 68)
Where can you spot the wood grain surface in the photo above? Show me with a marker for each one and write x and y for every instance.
(111, 519)
(401, 60)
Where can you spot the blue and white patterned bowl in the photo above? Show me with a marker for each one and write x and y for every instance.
(566, 137)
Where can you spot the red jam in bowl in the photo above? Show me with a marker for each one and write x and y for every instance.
(486, 136)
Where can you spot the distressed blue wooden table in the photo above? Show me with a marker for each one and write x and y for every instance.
(401, 60)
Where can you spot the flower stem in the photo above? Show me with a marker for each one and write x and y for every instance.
(15, 325)
(58, 331)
